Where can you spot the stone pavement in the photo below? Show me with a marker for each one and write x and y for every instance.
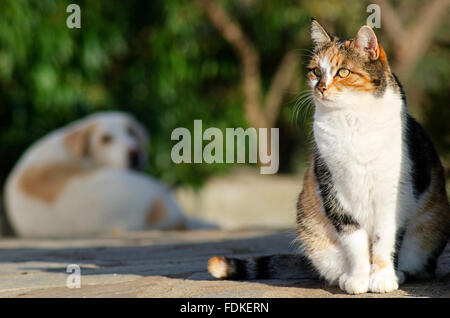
(165, 264)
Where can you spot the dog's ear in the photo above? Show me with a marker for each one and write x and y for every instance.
(77, 140)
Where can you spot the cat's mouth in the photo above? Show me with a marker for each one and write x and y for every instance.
(323, 98)
(326, 101)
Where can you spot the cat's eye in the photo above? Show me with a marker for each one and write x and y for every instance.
(343, 72)
(317, 72)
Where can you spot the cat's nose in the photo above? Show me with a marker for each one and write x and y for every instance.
(322, 88)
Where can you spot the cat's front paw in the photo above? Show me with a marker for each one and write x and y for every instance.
(383, 281)
(354, 284)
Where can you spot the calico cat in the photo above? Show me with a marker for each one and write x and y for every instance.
(373, 209)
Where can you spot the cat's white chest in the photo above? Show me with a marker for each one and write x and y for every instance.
(363, 151)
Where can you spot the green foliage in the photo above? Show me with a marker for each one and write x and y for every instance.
(146, 58)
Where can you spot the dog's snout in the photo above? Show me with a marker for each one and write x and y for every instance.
(133, 159)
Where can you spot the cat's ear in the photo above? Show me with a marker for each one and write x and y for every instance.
(367, 43)
(319, 35)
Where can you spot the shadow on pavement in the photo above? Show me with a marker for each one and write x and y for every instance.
(188, 260)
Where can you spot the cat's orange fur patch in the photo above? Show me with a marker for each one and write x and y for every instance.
(379, 262)
(47, 182)
(314, 228)
(218, 267)
(357, 81)
(436, 214)
(383, 56)
(334, 57)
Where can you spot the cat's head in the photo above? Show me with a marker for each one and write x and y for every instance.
(343, 68)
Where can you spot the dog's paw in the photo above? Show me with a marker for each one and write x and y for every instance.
(383, 281)
(354, 284)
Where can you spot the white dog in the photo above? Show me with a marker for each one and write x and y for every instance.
(79, 181)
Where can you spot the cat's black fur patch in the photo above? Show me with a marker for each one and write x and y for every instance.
(398, 244)
(421, 150)
(422, 154)
(239, 268)
(430, 268)
(270, 267)
(417, 144)
(262, 267)
(395, 82)
(333, 209)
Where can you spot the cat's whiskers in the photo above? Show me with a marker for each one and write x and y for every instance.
(304, 104)
(306, 53)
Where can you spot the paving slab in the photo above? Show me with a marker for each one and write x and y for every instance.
(166, 264)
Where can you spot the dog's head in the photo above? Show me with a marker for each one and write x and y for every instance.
(113, 139)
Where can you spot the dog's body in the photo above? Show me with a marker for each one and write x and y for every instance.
(78, 181)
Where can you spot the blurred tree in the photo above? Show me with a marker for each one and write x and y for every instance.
(411, 42)
(256, 114)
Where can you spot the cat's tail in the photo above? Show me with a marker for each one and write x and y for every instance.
(286, 266)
